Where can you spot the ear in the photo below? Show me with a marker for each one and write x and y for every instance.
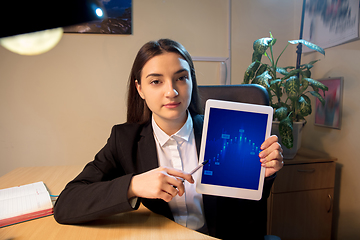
(138, 88)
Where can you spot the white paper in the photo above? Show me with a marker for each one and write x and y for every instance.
(24, 199)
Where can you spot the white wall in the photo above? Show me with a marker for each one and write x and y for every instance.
(58, 108)
(252, 20)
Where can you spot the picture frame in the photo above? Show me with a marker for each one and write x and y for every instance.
(329, 115)
(329, 23)
(118, 21)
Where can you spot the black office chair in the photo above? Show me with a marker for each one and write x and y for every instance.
(254, 94)
(245, 93)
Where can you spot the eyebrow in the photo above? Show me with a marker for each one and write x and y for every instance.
(159, 75)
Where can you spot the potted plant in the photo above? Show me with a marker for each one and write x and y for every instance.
(288, 89)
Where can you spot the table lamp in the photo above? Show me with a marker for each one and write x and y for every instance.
(34, 27)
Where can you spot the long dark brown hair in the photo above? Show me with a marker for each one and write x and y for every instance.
(137, 110)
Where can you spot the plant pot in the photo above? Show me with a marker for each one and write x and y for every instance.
(297, 132)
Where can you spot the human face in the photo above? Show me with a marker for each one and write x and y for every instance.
(166, 87)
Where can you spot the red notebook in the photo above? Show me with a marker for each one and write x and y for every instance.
(24, 203)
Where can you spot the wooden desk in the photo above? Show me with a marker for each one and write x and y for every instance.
(140, 224)
(300, 205)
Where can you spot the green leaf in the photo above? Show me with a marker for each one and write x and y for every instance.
(275, 86)
(261, 69)
(309, 45)
(292, 73)
(279, 105)
(308, 66)
(318, 96)
(304, 105)
(281, 113)
(289, 67)
(286, 132)
(263, 80)
(261, 45)
(306, 73)
(275, 81)
(304, 85)
(250, 71)
(256, 56)
(317, 84)
(316, 89)
(272, 43)
(292, 87)
(282, 71)
(313, 62)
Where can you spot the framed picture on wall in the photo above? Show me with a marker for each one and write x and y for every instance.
(119, 20)
(329, 23)
(329, 115)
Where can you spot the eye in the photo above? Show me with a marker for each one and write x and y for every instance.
(183, 78)
(155, 82)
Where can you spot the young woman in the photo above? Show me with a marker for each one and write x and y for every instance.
(145, 157)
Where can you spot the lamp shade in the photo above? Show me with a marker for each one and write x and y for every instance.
(26, 16)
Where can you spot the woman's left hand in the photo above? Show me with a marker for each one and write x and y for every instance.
(271, 156)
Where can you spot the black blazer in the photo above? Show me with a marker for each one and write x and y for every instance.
(101, 188)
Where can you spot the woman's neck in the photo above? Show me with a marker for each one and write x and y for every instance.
(170, 126)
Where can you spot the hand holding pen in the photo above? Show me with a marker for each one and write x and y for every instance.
(197, 168)
(160, 183)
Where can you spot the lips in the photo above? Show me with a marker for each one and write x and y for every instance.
(172, 105)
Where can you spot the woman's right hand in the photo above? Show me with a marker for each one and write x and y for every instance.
(161, 183)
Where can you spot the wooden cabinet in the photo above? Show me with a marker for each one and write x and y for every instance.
(300, 205)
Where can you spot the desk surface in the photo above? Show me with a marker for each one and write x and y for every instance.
(139, 224)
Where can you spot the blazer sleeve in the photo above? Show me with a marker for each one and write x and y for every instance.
(99, 190)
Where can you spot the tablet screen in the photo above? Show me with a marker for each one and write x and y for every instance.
(232, 136)
(232, 147)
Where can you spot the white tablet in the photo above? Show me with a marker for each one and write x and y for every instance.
(232, 135)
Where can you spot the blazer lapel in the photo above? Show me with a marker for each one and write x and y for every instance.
(198, 121)
(147, 155)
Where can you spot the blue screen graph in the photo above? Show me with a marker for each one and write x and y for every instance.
(232, 147)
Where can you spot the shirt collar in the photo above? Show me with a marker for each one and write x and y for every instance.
(183, 133)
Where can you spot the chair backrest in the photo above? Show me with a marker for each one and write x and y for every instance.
(245, 93)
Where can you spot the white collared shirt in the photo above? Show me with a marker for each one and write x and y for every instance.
(179, 151)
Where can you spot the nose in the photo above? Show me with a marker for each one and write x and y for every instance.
(170, 91)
